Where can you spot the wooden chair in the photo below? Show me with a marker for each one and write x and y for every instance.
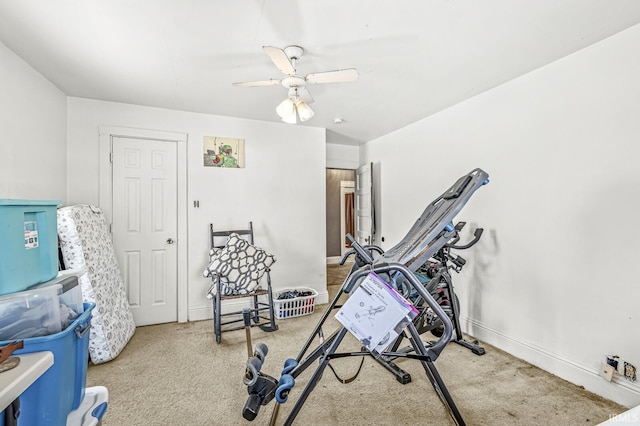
(223, 270)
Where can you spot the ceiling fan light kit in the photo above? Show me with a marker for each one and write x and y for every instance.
(287, 111)
(304, 111)
(289, 107)
(296, 104)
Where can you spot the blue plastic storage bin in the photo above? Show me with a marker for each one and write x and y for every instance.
(50, 399)
(28, 243)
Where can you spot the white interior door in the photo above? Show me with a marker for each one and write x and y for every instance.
(364, 204)
(144, 225)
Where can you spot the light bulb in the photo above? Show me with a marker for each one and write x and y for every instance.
(287, 111)
(304, 111)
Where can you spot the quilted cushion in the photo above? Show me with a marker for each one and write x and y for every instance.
(85, 243)
(240, 266)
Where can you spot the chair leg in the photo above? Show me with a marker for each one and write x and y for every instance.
(272, 314)
(217, 314)
(256, 310)
(272, 318)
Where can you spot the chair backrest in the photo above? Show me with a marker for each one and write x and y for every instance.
(219, 238)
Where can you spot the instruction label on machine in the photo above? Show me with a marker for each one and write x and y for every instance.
(375, 314)
(30, 235)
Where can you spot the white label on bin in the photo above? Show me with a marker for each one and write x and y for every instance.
(30, 235)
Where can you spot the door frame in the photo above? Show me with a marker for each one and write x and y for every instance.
(346, 187)
(107, 133)
(368, 209)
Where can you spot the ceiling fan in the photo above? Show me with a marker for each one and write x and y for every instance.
(296, 105)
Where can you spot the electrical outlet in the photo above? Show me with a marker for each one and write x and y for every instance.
(606, 371)
(614, 365)
(629, 372)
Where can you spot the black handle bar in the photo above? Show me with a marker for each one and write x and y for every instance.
(363, 252)
(476, 237)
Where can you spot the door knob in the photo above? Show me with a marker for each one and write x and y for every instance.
(169, 241)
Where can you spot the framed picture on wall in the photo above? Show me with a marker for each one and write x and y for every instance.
(223, 152)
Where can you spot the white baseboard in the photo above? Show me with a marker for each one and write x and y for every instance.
(333, 260)
(619, 390)
(206, 312)
(200, 313)
(322, 298)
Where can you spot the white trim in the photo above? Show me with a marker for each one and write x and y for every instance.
(334, 163)
(322, 298)
(346, 187)
(332, 260)
(201, 313)
(107, 133)
(619, 390)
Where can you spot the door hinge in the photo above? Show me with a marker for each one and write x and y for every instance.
(111, 228)
(111, 157)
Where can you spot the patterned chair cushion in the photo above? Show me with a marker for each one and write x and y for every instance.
(239, 265)
(224, 282)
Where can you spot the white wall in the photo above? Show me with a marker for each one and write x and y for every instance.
(342, 156)
(553, 280)
(281, 189)
(33, 138)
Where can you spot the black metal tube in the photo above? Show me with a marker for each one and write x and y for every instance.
(446, 321)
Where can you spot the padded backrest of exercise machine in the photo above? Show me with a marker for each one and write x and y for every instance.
(434, 228)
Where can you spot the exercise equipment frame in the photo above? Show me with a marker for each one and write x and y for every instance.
(432, 231)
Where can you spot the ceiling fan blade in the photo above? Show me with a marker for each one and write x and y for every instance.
(337, 76)
(280, 59)
(271, 82)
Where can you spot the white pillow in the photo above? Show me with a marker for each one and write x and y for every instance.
(240, 266)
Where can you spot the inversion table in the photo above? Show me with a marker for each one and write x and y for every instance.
(433, 229)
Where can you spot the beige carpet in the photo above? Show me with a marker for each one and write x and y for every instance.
(175, 374)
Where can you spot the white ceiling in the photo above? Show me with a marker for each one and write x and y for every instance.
(415, 57)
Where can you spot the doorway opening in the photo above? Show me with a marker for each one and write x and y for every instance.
(340, 211)
(347, 213)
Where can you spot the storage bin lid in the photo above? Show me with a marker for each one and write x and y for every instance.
(67, 282)
(16, 202)
(43, 292)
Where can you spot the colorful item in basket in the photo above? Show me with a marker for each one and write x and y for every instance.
(292, 294)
